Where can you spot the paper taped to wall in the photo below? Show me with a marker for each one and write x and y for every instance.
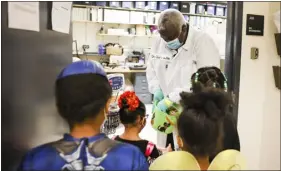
(61, 15)
(23, 15)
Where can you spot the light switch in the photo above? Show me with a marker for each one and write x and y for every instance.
(254, 53)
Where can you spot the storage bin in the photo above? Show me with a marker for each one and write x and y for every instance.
(220, 10)
(200, 9)
(127, 4)
(152, 5)
(83, 2)
(114, 50)
(211, 9)
(101, 3)
(140, 4)
(115, 4)
(185, 7)
(163, 5)
(175, 5)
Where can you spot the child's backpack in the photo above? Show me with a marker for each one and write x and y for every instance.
(149, 148)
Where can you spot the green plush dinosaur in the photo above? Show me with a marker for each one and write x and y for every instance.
(164, 119)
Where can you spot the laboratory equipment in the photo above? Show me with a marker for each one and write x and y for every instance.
(137, 67)
(112, 119)
(117, 82)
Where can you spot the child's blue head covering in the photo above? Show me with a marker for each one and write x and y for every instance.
(82, 67)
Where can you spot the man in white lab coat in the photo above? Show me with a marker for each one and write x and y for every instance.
(176, 55)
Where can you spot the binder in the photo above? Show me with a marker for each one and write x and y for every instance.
(277, 75)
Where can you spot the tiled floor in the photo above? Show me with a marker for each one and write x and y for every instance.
(147, 133)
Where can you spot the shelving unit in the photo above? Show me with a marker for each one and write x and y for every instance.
(87, 29)
(123, 71)
(143, 10)
(104, 22)
(127, 35)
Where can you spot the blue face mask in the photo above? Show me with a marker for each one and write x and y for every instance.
(174, 44)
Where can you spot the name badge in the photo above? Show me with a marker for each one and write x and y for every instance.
(160, 57)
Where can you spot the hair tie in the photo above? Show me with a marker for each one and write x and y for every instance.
(130, 99)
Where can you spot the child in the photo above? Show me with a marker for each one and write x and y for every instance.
(82, 94)
(213, 77)
(133, 117)
(200, 125)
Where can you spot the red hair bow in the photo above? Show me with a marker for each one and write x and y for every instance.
(130, 99)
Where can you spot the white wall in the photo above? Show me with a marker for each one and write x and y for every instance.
(259, 103)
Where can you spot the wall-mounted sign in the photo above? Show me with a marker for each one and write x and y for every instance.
(255, 25)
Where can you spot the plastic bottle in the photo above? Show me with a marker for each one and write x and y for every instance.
(101, 49)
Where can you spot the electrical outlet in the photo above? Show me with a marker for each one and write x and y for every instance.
(254, 53)
(85, 46)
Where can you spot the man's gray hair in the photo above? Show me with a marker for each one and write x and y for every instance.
(171, 17)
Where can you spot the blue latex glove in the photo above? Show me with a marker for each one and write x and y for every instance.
(158, 95)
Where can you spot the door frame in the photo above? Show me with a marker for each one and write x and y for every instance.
(233, 45)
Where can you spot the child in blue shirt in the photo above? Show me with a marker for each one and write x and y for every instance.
(82, 93)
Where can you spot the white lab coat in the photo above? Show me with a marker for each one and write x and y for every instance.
(173, 76)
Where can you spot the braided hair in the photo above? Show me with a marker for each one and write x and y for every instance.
(208, 77)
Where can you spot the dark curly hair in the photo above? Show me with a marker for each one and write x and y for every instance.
(82, 96)
(200, 124)
(208, 77)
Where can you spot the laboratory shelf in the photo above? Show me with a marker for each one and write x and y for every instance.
(105, 22)
(123, 71)
(142, 10)
(118, 35)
